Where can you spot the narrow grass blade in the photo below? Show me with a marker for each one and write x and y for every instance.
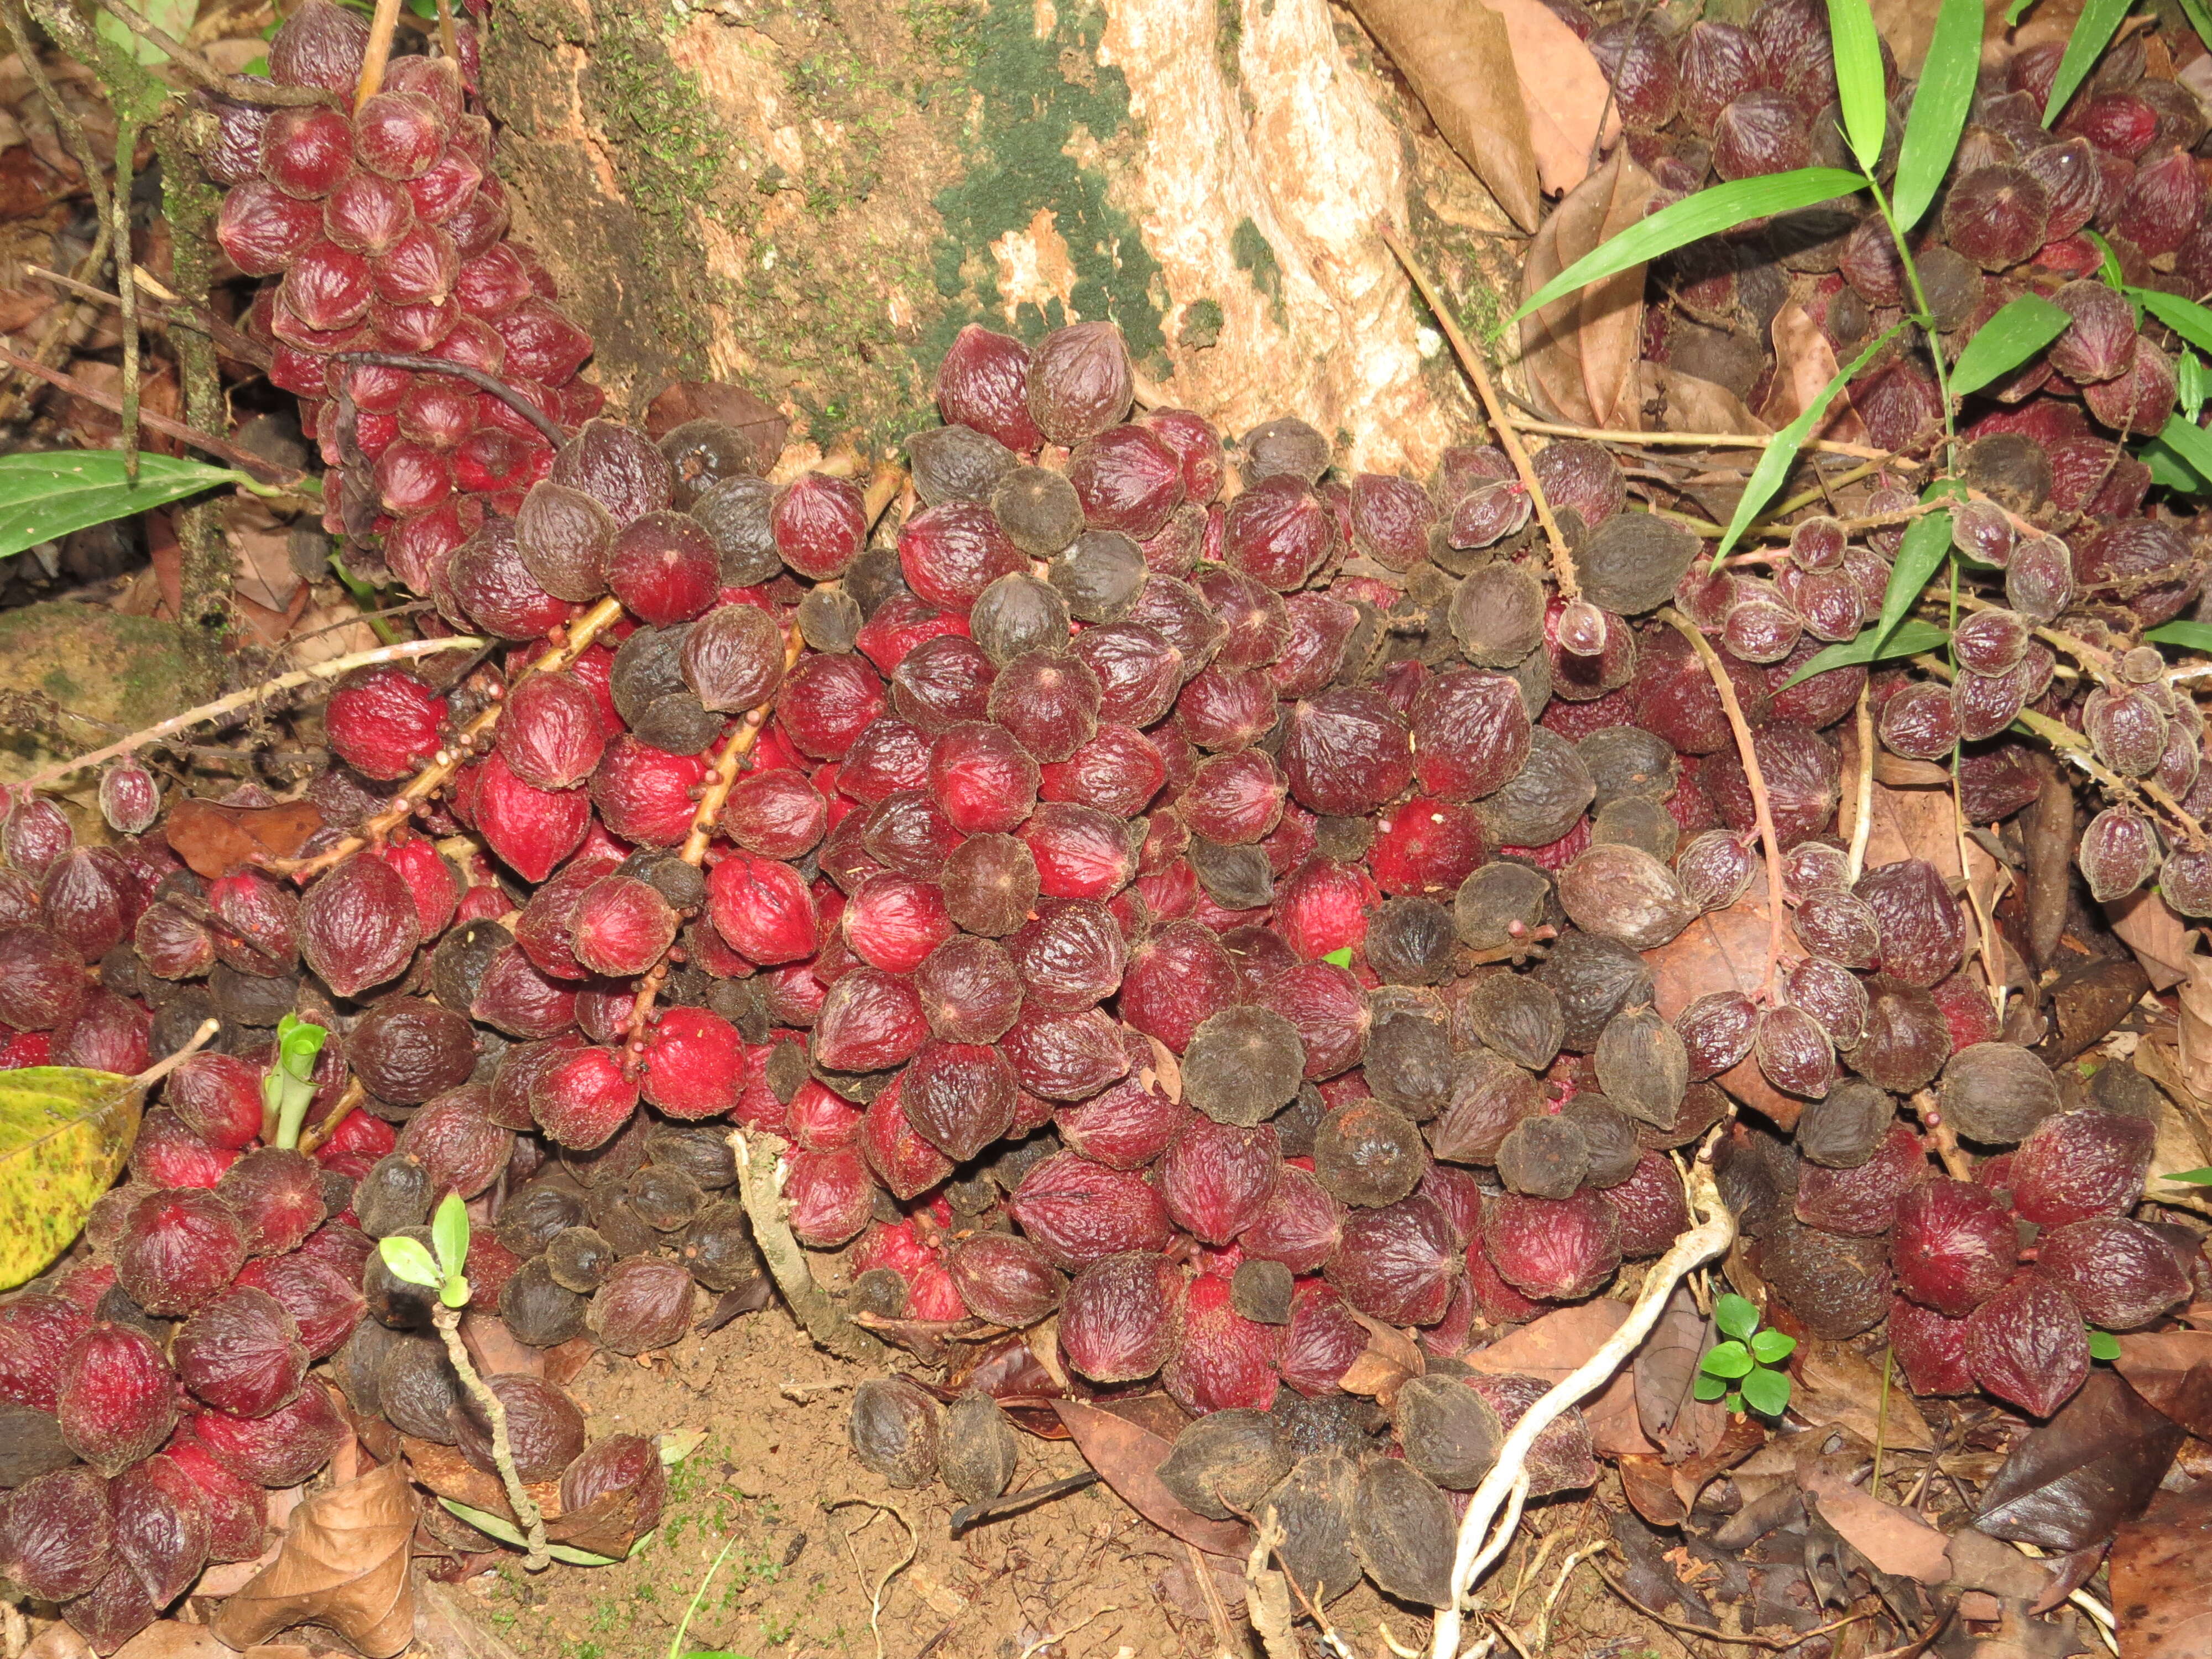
(2020, 330)
(2093, 33)
(2190, 636)
(1939, 106)
(2191, 321)
(1926, 541)
(1910, 638)
(2191, 442)
(1862, 87)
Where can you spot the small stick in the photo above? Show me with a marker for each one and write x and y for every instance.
(173, 312)
(1699, 439)
(322, 1131)
(1862, 822)
(764, 1209)
(973, 1515)
(1767, 1641)
(1711, 1237)
(1267, 1597)
(526, 1512)
(1942, 1136)
(161, 1068)
(1217, 1611)
(207, 711)
(1761, 807)
(283, 476)
(236, 87)
(381, 27)
(546, 425)
(1508, 439)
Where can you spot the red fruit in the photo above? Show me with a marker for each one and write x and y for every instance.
(278, 1196)
(241, 1353)
(514, 997)
(1080, 852)
(1005, 1278)
(1049, 701)
(384, 722)
(116, 1400)
(984, 383)
(959, 1096)
(1425, 847)
(552, 733)
(1326, 1007)
(325, 1307)
(1234, 799)
(952, 551)
(617, 466)
(1300, 1226)
(1863, 1201)
(1128, 479)
(826, 702)
(42, 979)
(1956, 1246)
(902, 1159)
(1177, 978)
(236, 1512)
(830, 1196)
(1078, 1212)
(359, 926)
(776, 814)
(1346, 752)
(278, 1450)
(55, 1539)
(643, 794)
(693, 1064)
(1930, 1349)
(1224, 1361)
(1066, 1056)
(1559, 1248)
(1471, 732)
(1399, 1262)
(982, 779)
(622, 926)
(1121, 1318)
(581, 1098)
(1119, 771)
(1215, 1179)
(460, 1148)
(1079, 382)
(1278, 533)
(263, 229)
(2080, 1164)
(1321, 1339)
(320, 45)
(1070, 956)
(1125, 1128)
(665, 567)
(1652, 1210)
(2026, 1344)
(36, 1332)
(2120, 1273)
(820, 525)
(168, 1154)
(179, 1248)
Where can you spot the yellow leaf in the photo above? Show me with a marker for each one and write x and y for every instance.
(64, 1135)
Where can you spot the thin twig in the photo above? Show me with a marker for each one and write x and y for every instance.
(284, 477)
(1054, 1641)
(447, 42)
(207, 711)
(171, 310)
(381, 27)
(1761, 807)
(876, 1596)
(527, 1515)
(161, 1068)
(1771, 1644)
(1863, 817)
(1942, 1135)
(1508, 439)
(316, 1135)
(1540, 1641)
(1711, 1237)
(548, 427)
(1697, 439)
(757, 1153)
(236, 87)
(126, 287)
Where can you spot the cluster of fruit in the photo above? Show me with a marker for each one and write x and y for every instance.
(384, 233)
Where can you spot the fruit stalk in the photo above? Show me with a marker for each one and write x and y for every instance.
(1508, 1477)
(526, 1512)
(381, 27)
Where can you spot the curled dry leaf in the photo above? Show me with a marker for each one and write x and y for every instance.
(222, 840)
(1804, 363)
(1666, 1374)
(2161, 940)
(763, 425)
(1458, 57)
(1128, 1458)
(1649, 1485)
(2173, 1369)
(1390, 1359)
(1837, 1389)
(1570, 113)
(1580, 352)
(1895, 1539)
(343, 1565)
(2183, 1125)
(1689, 403)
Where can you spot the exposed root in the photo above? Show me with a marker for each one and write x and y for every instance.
(756, 1153)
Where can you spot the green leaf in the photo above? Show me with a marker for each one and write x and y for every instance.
(1781, 451)
(2169, 471)
(1737, 1316)
(1732, 1403)
(2108, 269)
(2191, 321)
(298, 1043)
(2193, 383)
(64, 1135)
(1726, 1359)
(1911, 637)
(454, 1292)
(1708, 213)
(1927, 539)
(1341, 958)
(172, 17)
(2191, 636)
(2018, 330)
(2092, 32)
(1862, 87)
(508, 1533)
(409, 1261)
(1772, 1347)
(45, 496)
(2016, 10)
(2199, 19)
(1708, 1388)
(2190, 443)
(2194, 1177)
(1767, 1392)
(1938, 116)
(256, 66)
(2103, 1344)
(449, 1232)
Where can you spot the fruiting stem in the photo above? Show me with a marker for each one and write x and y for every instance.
(463, 747)
(527, 1515)
(1508, 439)
(381, 27)
(1942, 1136)
(2097, 661)
(1713, 1235)
(1862, 822)
(448, 43)
(207, 711)
(1762, 808)
(757, 1153)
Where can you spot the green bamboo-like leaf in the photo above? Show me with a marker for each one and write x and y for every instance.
(2199, 19)
(1926, 541)
(2190, 636)
(1726, 1359)
(2190, 443)
(2016, 10)
(508, 1533)
(45, 496)
(1911, 637)
(1708, 1388)
(1736, 1315)
(2020, 328)
(409, 1260)
(64, 1135)
(1772, 1347)
(1938, 116)
(2194, 1177)
(449, 1232)
(1862, 87)
(1708, 213)
(2169, 471)
(1767, 1392)
(2191, 321)
(2093, 33)
(1781, 451)
(2193, 383)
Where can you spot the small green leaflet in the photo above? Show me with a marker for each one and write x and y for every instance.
(508, 1533)
(1772, 1347)
(2103, 1344)
(1767, 1392)
(2190, 636)
(2194, 1177)
(2199, 19)
(1708, 213)
(1938, 116)
(2193, 383)
(2191, 444)
(1341, 958)
(1911, 637)
(2092, 32)
(1781, 451)
(43, 497)
(449, 1232)
(2020, 330)
(172, 17)
(1737, 1316)
(409, 1259)
(2169, 471)
(1861, 85)
(1708, 1388)
(1727, 1359)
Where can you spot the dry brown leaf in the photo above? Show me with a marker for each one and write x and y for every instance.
(1458, 57)
(1571, 111)
(2184, 1125)
(2194, 994)
(221, 841)
(2161, 940)
(1128, 1458)
(1580, 352)
(1745, 1435)
(1907, 823)
(2173, 1369)
(2161, 1566)
(344, 1566)
(1895, 1538)
(1695, 404)
(1724, 950)
(496, 1351)
(171, 1639)
(1839, 1388)
(1556, 1343)
(1649, 1485)
(763, 425)
(1383, 1367)
(1804, 363)
(1906, 27)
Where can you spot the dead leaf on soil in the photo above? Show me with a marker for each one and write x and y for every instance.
(2161, 1566)
(2087, 999)
(1904, 822)
(762, 423)
(1562, 88)
(496, 1351)
(1580, 352)
(2194, 993)
(1666, 1374)
(444, 1473)
(1383, 1367)
(2173, 1369)
(221, 841)
(343, 1565)
(1458, 57)
(2161, 940)
(1128, 1458)
(1696, 404)
(1745, 1435)
(1649, 1485)
(1724, 950)
(2093, 1466)
(1839, 1388)
(1557, 1343)
(1895, 1539)
(1804, 364)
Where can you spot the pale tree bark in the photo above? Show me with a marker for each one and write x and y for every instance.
(811, 201)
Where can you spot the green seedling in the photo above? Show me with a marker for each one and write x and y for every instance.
(288, 1087)
(1744, 1373)
(439, 1267)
